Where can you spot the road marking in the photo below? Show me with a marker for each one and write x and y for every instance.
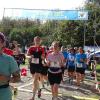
(22, 86)
(84, 98)
(25, 90)
(60, 94)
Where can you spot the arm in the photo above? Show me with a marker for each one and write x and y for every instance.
(14, 70)
(4, 78)
(62, 60)
(15, 77)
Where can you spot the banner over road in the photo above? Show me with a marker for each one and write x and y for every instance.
(44, 14)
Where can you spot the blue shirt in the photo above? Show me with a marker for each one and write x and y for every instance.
(7, 66)
(65, 54)
(71, 60)
(80, 63)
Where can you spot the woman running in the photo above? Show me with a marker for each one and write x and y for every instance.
(81, 60)
(55, 61)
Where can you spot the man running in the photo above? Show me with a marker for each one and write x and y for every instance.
(36, 52)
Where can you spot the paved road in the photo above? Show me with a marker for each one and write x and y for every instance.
(67, 91)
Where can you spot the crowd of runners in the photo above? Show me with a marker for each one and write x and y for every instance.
(46, 64)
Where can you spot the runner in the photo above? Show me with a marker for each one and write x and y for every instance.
(36, 52)
(44, 76)
(81, 61)
(8, 51)
(16, 52)
(55, 61)
(8, 68)
(71, 65)
(88, 58)
(65, 54)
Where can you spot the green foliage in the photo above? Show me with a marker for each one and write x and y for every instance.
(67, 32)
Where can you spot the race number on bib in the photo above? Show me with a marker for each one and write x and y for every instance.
(79, 65)
(55, 64)
(35, 60)
(71, 58)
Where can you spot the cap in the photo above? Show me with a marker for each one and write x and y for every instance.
(2, 37)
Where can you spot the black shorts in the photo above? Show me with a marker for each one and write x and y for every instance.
(35, 68)
(44, 70)
(71, 68)
(63, 69)
(54, 78)
(80, 70)
(66, 67)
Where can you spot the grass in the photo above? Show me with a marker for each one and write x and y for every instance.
(98, 72)
(98, 68)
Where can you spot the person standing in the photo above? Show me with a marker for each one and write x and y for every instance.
(55, 61)
(9, 71)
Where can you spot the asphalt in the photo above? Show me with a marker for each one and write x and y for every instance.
(67, 91)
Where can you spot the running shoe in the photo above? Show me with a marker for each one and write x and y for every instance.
(39, 93)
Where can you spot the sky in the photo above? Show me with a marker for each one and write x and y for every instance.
(37, 4)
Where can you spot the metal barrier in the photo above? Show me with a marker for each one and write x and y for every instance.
(94, 71)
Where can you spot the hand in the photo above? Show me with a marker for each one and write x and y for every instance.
(81, 60)
(61, 64)
(15, 77)
(3, 78)
(32, 56)
(43, 57)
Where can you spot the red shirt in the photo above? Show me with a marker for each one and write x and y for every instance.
(36, 49)
(37, 52)
(8, 51)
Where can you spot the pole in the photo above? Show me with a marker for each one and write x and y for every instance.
(95, 26)
(84, 33)
(3, 13)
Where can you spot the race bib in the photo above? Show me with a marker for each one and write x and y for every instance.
(35, 60)
(79, 65)
(55, 64)
(71, 58)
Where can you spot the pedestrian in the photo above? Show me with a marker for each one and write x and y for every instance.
(9, 71)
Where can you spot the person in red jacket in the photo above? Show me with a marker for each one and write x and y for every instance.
(8, 51)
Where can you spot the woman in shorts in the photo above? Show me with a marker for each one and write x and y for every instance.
(81, 60)
(71, 64)
(55, 61)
